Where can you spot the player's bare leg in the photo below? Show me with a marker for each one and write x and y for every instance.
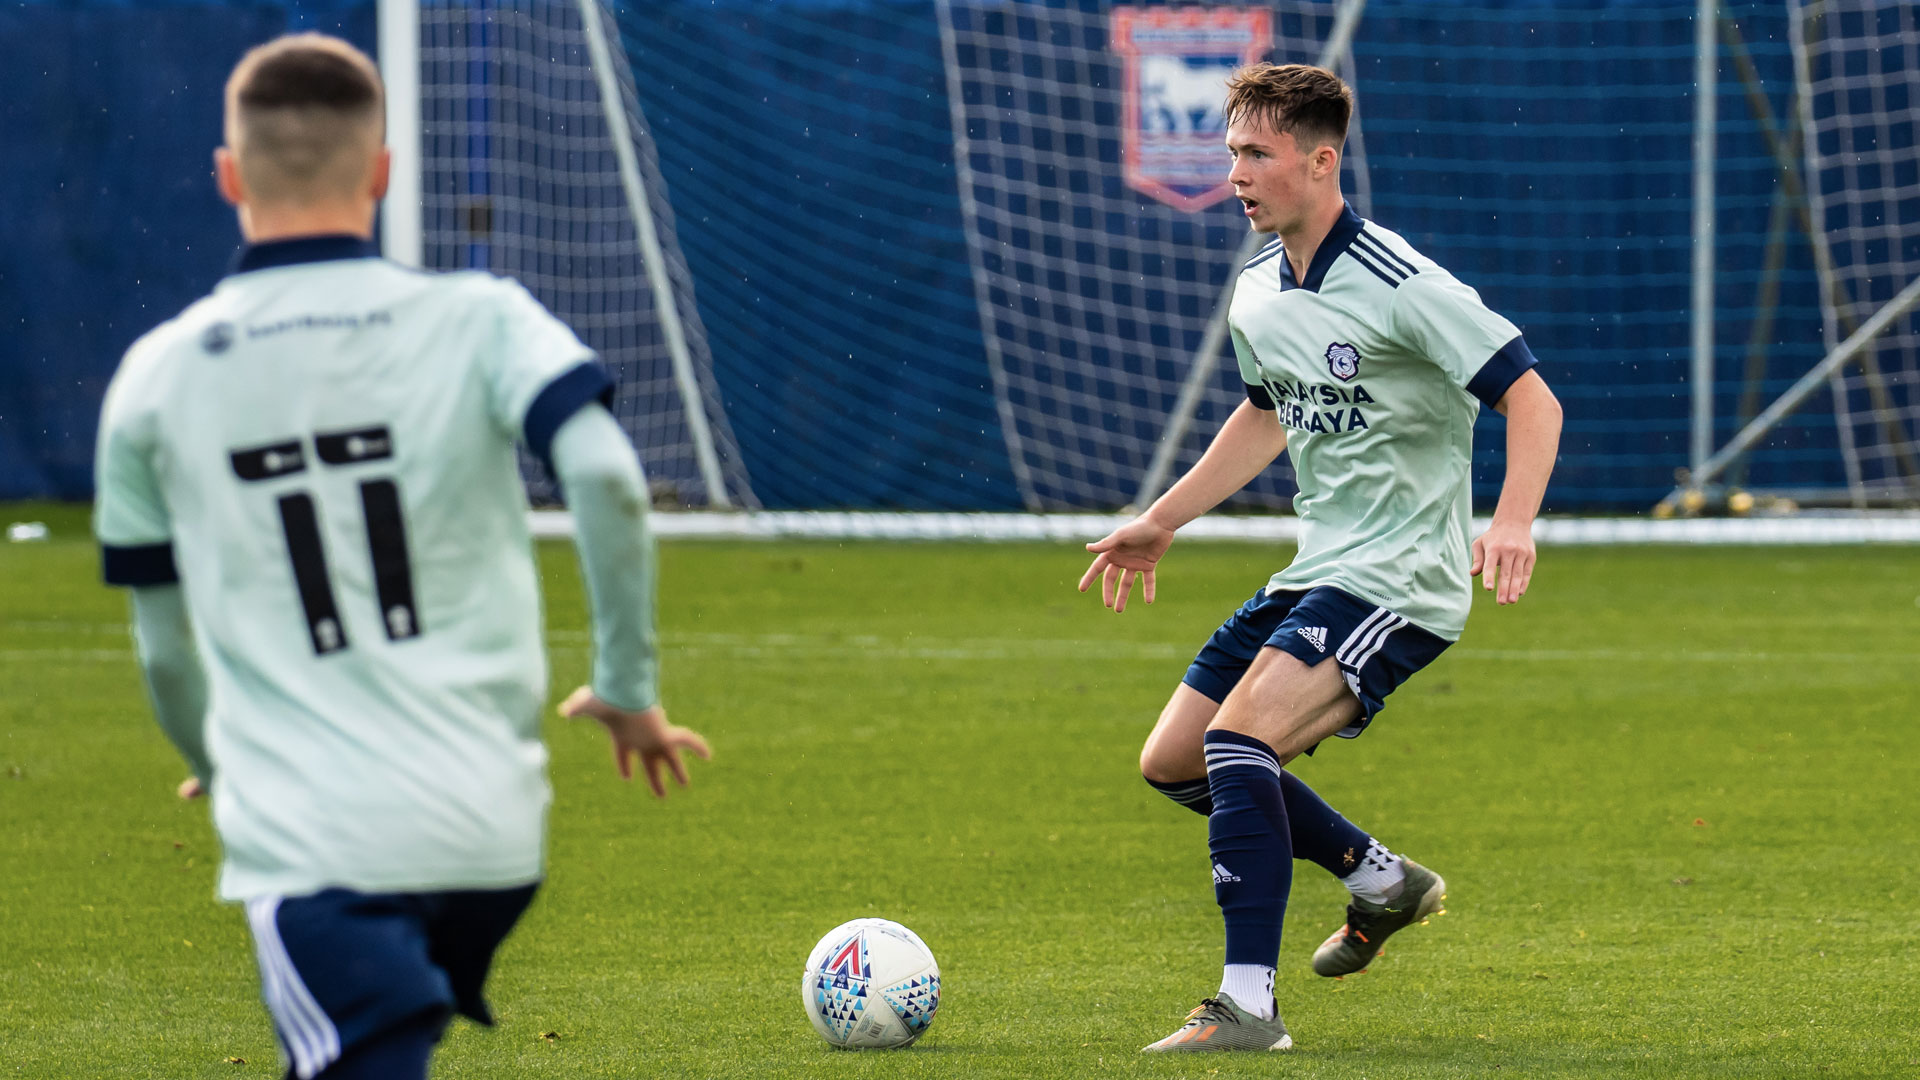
(1173, 761)
(1287, 705)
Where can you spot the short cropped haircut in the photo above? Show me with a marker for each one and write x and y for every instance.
(305, 114)
(1309, 103)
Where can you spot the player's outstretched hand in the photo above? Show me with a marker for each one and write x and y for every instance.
(645, 733)
(1127, 553)
(1503, 557)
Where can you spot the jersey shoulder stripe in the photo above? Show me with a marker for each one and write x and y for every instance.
(1269, 251)
(1379, 260)
(1377, 244)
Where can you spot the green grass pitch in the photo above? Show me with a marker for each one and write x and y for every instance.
(1673, 792)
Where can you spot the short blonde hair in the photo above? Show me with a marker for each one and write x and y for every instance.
(1309, 103)
(305, 115)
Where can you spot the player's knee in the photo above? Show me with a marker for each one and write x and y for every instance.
(1173, 755)
(1160, 767)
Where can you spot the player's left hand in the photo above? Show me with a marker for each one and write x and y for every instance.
(644, 732)
(1503, 558)
(190, 788)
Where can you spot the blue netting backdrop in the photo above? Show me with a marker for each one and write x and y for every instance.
(1541, 150)
(1543, 155)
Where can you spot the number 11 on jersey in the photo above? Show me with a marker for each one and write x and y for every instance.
(300, 522)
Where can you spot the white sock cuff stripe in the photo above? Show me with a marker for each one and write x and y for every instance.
(1229, 761)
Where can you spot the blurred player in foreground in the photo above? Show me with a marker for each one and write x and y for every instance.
(1367, 362)
(309, 481)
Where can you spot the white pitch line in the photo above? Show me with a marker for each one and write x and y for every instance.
(82, 655)
(873, 647)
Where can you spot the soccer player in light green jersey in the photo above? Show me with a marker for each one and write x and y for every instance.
(1365, 362)
(309, 481)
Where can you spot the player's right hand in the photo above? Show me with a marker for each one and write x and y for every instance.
(645, 732)
(1127, 553)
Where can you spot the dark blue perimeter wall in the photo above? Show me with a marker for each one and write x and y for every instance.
(807, 148)
(109, 114)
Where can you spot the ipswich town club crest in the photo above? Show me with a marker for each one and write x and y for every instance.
(1178, 60)
(1343, 360)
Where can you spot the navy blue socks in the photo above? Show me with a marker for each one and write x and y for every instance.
(1249, 838)
(1192, 794)
(1318, 833)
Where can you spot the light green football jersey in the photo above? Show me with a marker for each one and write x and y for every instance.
(322, 453)
(1376, 365)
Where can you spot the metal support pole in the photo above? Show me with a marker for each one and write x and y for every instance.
(1904, 301)
(1833, 294)
(1338, 44)
(1706, 87)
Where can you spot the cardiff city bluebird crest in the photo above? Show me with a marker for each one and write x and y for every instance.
(1343, 360)
(1178, 60)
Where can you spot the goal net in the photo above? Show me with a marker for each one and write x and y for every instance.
(1002, 233)
(1860, 66)
(521, 175)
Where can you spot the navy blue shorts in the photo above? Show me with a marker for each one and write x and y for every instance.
(1376, 649)
(340, 967)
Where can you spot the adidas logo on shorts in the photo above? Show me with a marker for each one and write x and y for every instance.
(1220, 874)
(1315, 635)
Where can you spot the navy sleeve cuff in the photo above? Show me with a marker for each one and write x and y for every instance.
(1259, 396)
(1501, 370)
(564, 396)
(145, 564)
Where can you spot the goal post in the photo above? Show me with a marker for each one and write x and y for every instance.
(399, 49)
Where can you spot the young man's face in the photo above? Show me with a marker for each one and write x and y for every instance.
(1271, 174)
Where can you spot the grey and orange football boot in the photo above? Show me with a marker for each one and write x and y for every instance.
(1221, 1024)
(1353, 946)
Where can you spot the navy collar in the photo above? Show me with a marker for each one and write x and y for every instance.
(301, 249)
(1331, 248)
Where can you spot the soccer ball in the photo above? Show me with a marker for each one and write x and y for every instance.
(870, 983)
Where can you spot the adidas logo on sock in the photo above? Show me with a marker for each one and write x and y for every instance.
(1220, 874)
(1315, 635)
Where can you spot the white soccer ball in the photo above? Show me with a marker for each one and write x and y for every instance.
(870, 983)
